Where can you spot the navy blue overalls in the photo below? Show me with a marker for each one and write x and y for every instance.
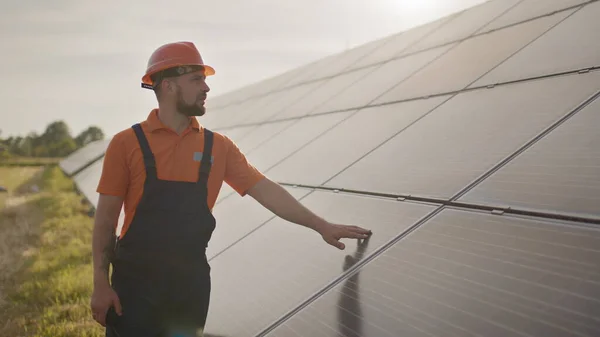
(160, 269)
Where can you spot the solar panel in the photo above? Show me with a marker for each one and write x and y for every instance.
(295, 137)
(276, 83)
(280, 264)
(375, 83)
(212, 116)
(221, 117)
(312, 70)
(464, 24)
(230, 228)
(238, 133)
(262, 133)
(556, 51)
(235, 114)
(396, 44)
(559, 174)
(466, 136)
(251, 91)
(281, 100)
(83, 156)
(325, 91)
(469, 60)
(225, 192)
(467, 274)
(87, 181)
(336, 63)
(339, 148)
(529, 9)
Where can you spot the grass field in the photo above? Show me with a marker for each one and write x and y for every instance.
(45, 256)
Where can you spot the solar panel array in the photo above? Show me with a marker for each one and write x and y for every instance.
(80, 159)
(470, 147)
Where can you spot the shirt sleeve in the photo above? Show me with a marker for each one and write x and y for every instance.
(114, 179)
(239, 173)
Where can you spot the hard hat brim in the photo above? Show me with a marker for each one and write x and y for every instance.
(147, 81)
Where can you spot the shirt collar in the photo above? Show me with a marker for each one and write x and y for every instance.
(154, 123)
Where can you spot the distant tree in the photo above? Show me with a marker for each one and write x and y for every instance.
(56, 141)
(62, 148)
(91, 134)
(56, 132)
(14, 145)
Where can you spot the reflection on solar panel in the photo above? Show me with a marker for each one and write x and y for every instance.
(271, 270)
(468, 145)
(231, 229)
(467, 274)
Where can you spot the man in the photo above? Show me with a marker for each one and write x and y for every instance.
(167, 171)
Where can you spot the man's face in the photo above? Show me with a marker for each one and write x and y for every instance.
(191, 90)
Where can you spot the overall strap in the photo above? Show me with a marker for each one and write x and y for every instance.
(149, 162)
(206, 162)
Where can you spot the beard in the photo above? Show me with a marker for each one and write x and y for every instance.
(189, 110)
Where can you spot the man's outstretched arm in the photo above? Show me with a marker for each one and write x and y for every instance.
(279, 201)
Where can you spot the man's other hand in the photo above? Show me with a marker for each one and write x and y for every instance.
(103, 298)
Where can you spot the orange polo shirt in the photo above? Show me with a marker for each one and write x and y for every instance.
(123, 172)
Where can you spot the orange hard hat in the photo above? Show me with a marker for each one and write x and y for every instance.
(172, 55)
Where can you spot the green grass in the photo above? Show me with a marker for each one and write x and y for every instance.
(49, 294)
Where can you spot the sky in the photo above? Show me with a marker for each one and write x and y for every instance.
(81, 61)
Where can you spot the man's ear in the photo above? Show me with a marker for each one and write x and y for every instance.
(173, 84)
